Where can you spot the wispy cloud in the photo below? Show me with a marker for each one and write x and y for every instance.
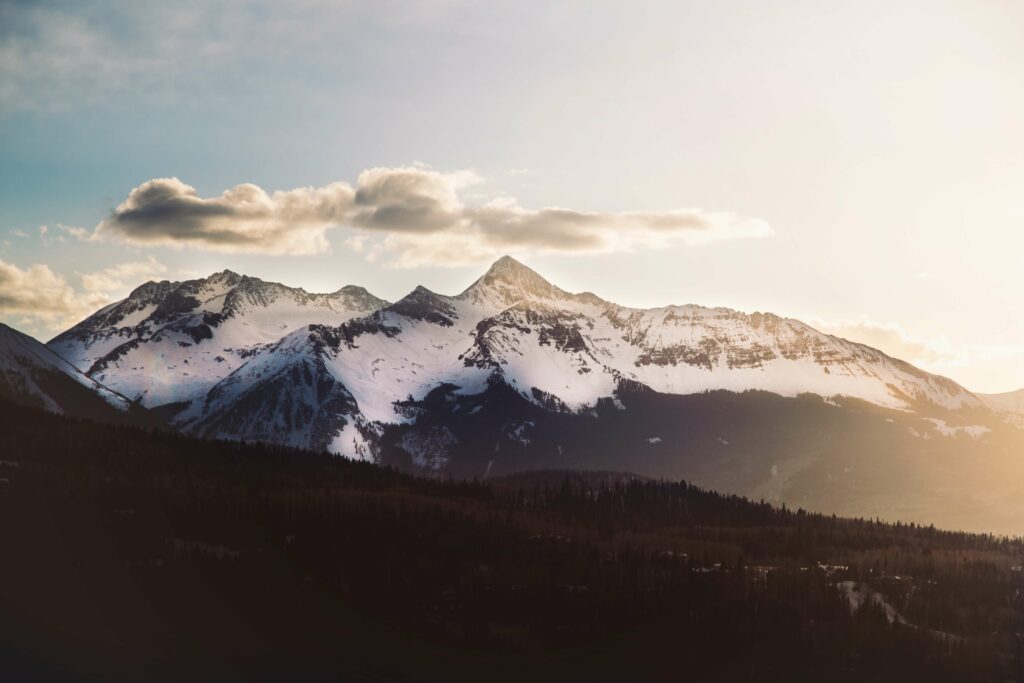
(123, 274)
(56, 56)
(52, 57)
(62, 234)
(406, 216)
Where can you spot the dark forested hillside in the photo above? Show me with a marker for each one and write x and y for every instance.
(841, 455)
(134, 555)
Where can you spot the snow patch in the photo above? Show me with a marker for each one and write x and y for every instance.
(517, 431)
(948, 430)
(351, 443)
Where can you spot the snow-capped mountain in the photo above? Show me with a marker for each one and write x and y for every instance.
(32, 374)
(547, 339)
(169, 342)
(515, 373)
(562, 351)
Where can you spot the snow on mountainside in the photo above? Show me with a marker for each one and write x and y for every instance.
(515, 373)
(32, 374)
(682, 350)
(577, 348)
(558, 350)
(169, 342)
(283, 395)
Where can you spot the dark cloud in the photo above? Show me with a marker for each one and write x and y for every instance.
(245, 218)
(411, 215)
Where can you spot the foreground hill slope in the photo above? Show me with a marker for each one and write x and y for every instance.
(33, 375)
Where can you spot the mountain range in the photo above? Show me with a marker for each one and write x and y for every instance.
(515, 373)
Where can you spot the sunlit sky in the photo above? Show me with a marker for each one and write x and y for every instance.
(859, 166)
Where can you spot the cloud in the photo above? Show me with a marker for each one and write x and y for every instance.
(66, 232)
(44, 297)
(166, 211)
(408, 215)
(58, 56)
(424, 220)
(117, 277)
(410, 200)
(46, 302)
(73, 231)
(63, 56)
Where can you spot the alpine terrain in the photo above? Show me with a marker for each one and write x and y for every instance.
(515, 374)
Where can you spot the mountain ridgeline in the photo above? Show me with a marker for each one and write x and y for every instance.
(515, 374)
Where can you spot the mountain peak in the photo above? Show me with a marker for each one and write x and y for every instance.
(229, 278)
(160, 288)
(508, 281)
(507, 263)
(512, 271)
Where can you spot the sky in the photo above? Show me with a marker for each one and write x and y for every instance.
(859, 166)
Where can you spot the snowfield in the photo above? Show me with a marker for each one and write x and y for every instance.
(172, 342)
